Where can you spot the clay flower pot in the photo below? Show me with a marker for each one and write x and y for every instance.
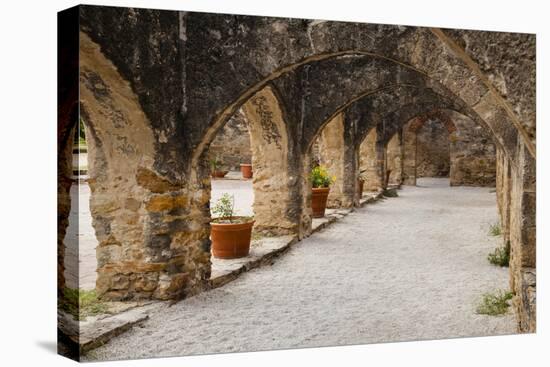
(319, 197)
(231, 240)
(219, 174)
(360, 184)
(246, 170)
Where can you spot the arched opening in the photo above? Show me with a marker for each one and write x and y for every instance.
(433, 155)
(80, 240)
(229, 150)
(449, 144)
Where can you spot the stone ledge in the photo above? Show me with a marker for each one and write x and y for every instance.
(370, 197)
(98, 330)
(261, 252)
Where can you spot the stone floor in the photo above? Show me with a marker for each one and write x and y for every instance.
(80, 240)
(406, 268)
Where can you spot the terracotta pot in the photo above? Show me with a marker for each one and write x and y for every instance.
(319, 197)
(246, 170)
(360, 184)
(230, 240)
(219, 174)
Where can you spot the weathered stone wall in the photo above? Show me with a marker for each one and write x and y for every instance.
(232, 143)
(147, 247)
(432, 150)
(473, 154)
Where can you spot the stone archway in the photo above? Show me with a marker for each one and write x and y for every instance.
(199, 95)
(471, 151)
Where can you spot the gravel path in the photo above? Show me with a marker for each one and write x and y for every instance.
(406, 268)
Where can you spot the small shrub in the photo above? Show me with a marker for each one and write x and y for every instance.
(494, 303)
(82, 303)
(501, 255)
(320, 177)
(495, 230)
(215, 164)
(224, 210)
(390, 193)
(225, 207)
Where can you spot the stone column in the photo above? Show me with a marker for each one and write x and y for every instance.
(503, 182)
(523, 238)
(338, 156)
(371, 156)
(273, 199)
(409, 155)
(152, 231)
(394, 152)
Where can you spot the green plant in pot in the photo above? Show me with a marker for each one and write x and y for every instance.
(216, 168)
(230, 234)
(320, 181)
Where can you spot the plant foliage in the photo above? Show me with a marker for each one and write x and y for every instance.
(495, 230)
(500, 256)
(82, 303)
(225, 207)
(494, 303)
(320, 177)
(215, 163)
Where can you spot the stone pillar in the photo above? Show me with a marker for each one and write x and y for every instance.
(152, 232)
(273, 199)
(523, 238)
(338, 156)
(394, 152)
(503, 182)
(371, 158)
(409, 155)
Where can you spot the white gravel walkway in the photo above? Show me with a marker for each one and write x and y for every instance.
(406, 268)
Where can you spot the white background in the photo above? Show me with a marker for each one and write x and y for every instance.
(28, 181)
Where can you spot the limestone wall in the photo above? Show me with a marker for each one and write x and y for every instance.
(232, 143)
(473, 154)
(432, 151)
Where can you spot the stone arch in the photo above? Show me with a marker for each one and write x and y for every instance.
(363, 112)
(418, 122)
(465, 169)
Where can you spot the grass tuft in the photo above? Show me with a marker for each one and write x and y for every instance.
(82, 303)
(494, 303)
(495, 230)
(500, 256)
